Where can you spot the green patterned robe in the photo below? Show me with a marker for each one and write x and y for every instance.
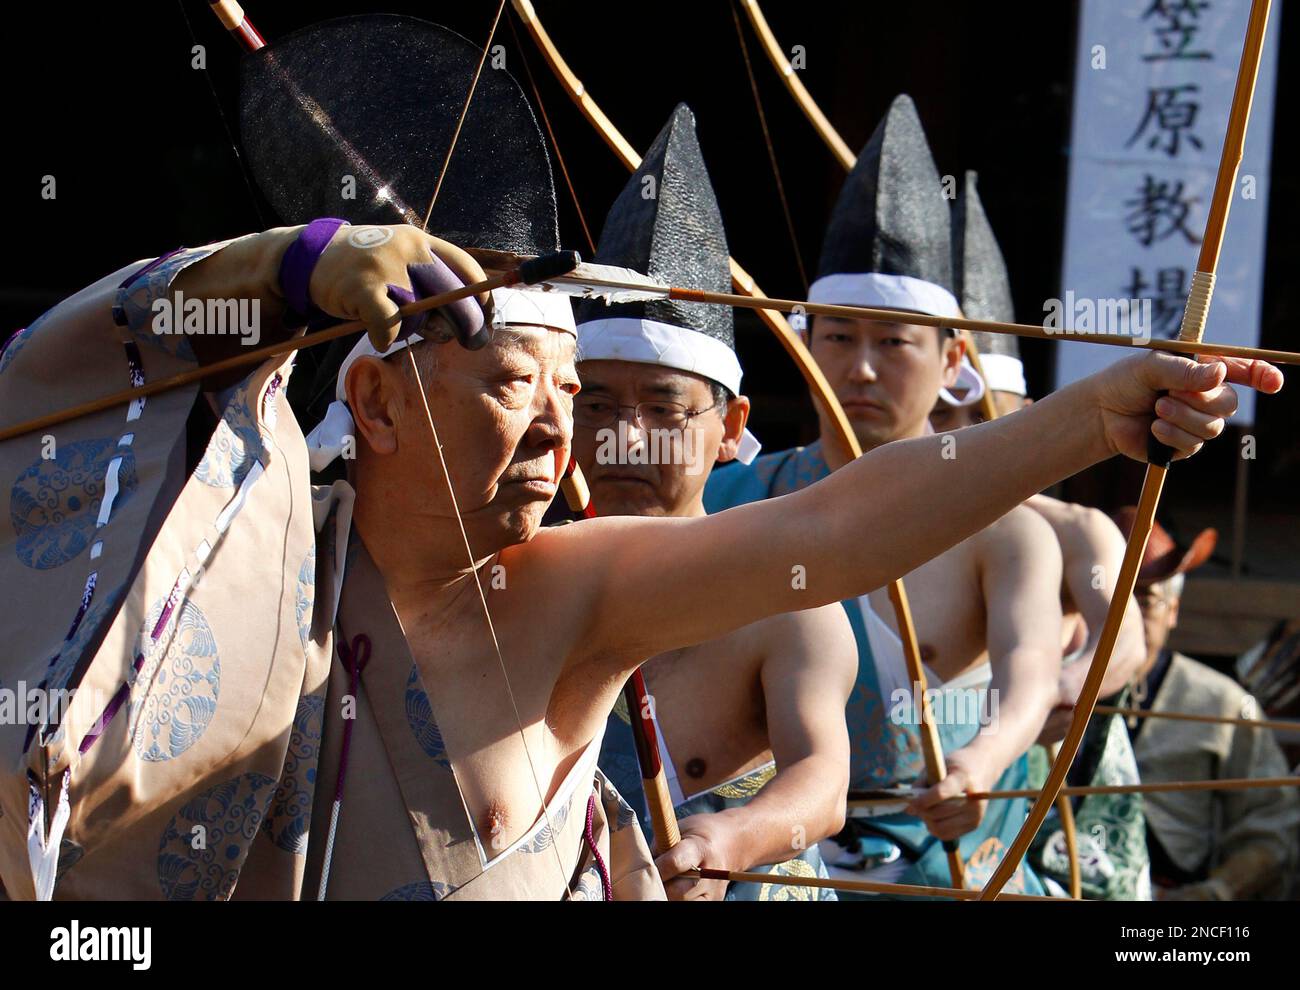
(1110, 828)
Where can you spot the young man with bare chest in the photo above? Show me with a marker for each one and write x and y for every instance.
(986, 611)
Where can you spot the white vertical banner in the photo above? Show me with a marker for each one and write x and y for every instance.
(1152, 92)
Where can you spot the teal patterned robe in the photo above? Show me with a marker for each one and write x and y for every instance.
(886, 749)
(618, 762)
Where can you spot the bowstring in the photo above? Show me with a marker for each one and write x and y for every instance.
(771, 148)
(451, 493)
(464, 111)
(248, 182)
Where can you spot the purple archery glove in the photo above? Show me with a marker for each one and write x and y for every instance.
(464, 317)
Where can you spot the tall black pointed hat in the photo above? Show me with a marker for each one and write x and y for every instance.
(666, 224)
(888, 240)
(353, 118)
(984, 287)
(368, 105)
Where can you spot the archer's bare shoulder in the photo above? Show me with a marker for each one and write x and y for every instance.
(1021, 532)
(1080, 528)
(820, 637)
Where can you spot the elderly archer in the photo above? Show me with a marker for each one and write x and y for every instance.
(246, 652)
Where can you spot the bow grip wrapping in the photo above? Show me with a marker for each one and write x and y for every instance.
(1195, 316)
(548, 266)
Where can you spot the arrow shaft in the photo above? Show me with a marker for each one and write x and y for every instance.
(1150, 787)
(886, 799)
(253, 356)
(1185, 347)
(1275, 725)
(854, 886)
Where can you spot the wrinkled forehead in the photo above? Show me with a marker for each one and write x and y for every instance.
(606, 374)
(548, 346)
(544, 344)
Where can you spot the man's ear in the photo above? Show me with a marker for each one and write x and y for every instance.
(733, 423)
(806, 334)
(374, 395)
(953, 349)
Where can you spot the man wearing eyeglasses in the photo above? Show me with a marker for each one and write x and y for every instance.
(751, 725)
(1204, 845)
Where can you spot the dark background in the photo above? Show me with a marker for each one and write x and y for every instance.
(144, 160)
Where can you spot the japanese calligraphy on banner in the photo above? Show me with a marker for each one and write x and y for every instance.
(1152, 91)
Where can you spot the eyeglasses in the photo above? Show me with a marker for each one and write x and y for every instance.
(1149, 600)
(595, 412)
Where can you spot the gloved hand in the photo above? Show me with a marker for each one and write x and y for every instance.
(367, 272)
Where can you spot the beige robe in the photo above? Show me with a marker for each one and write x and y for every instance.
(205, 608)
(1196, 827)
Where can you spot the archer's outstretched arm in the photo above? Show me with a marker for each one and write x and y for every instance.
(658, 584)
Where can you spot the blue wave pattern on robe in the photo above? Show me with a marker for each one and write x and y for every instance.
(885, 749)
(619, 763)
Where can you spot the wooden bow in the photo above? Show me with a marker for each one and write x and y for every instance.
(933, 751)
(1193, 328)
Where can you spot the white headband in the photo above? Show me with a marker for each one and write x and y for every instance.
(904, 292)
(884, 292)
(510, 307)
(1004, 373)
(627, 338)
